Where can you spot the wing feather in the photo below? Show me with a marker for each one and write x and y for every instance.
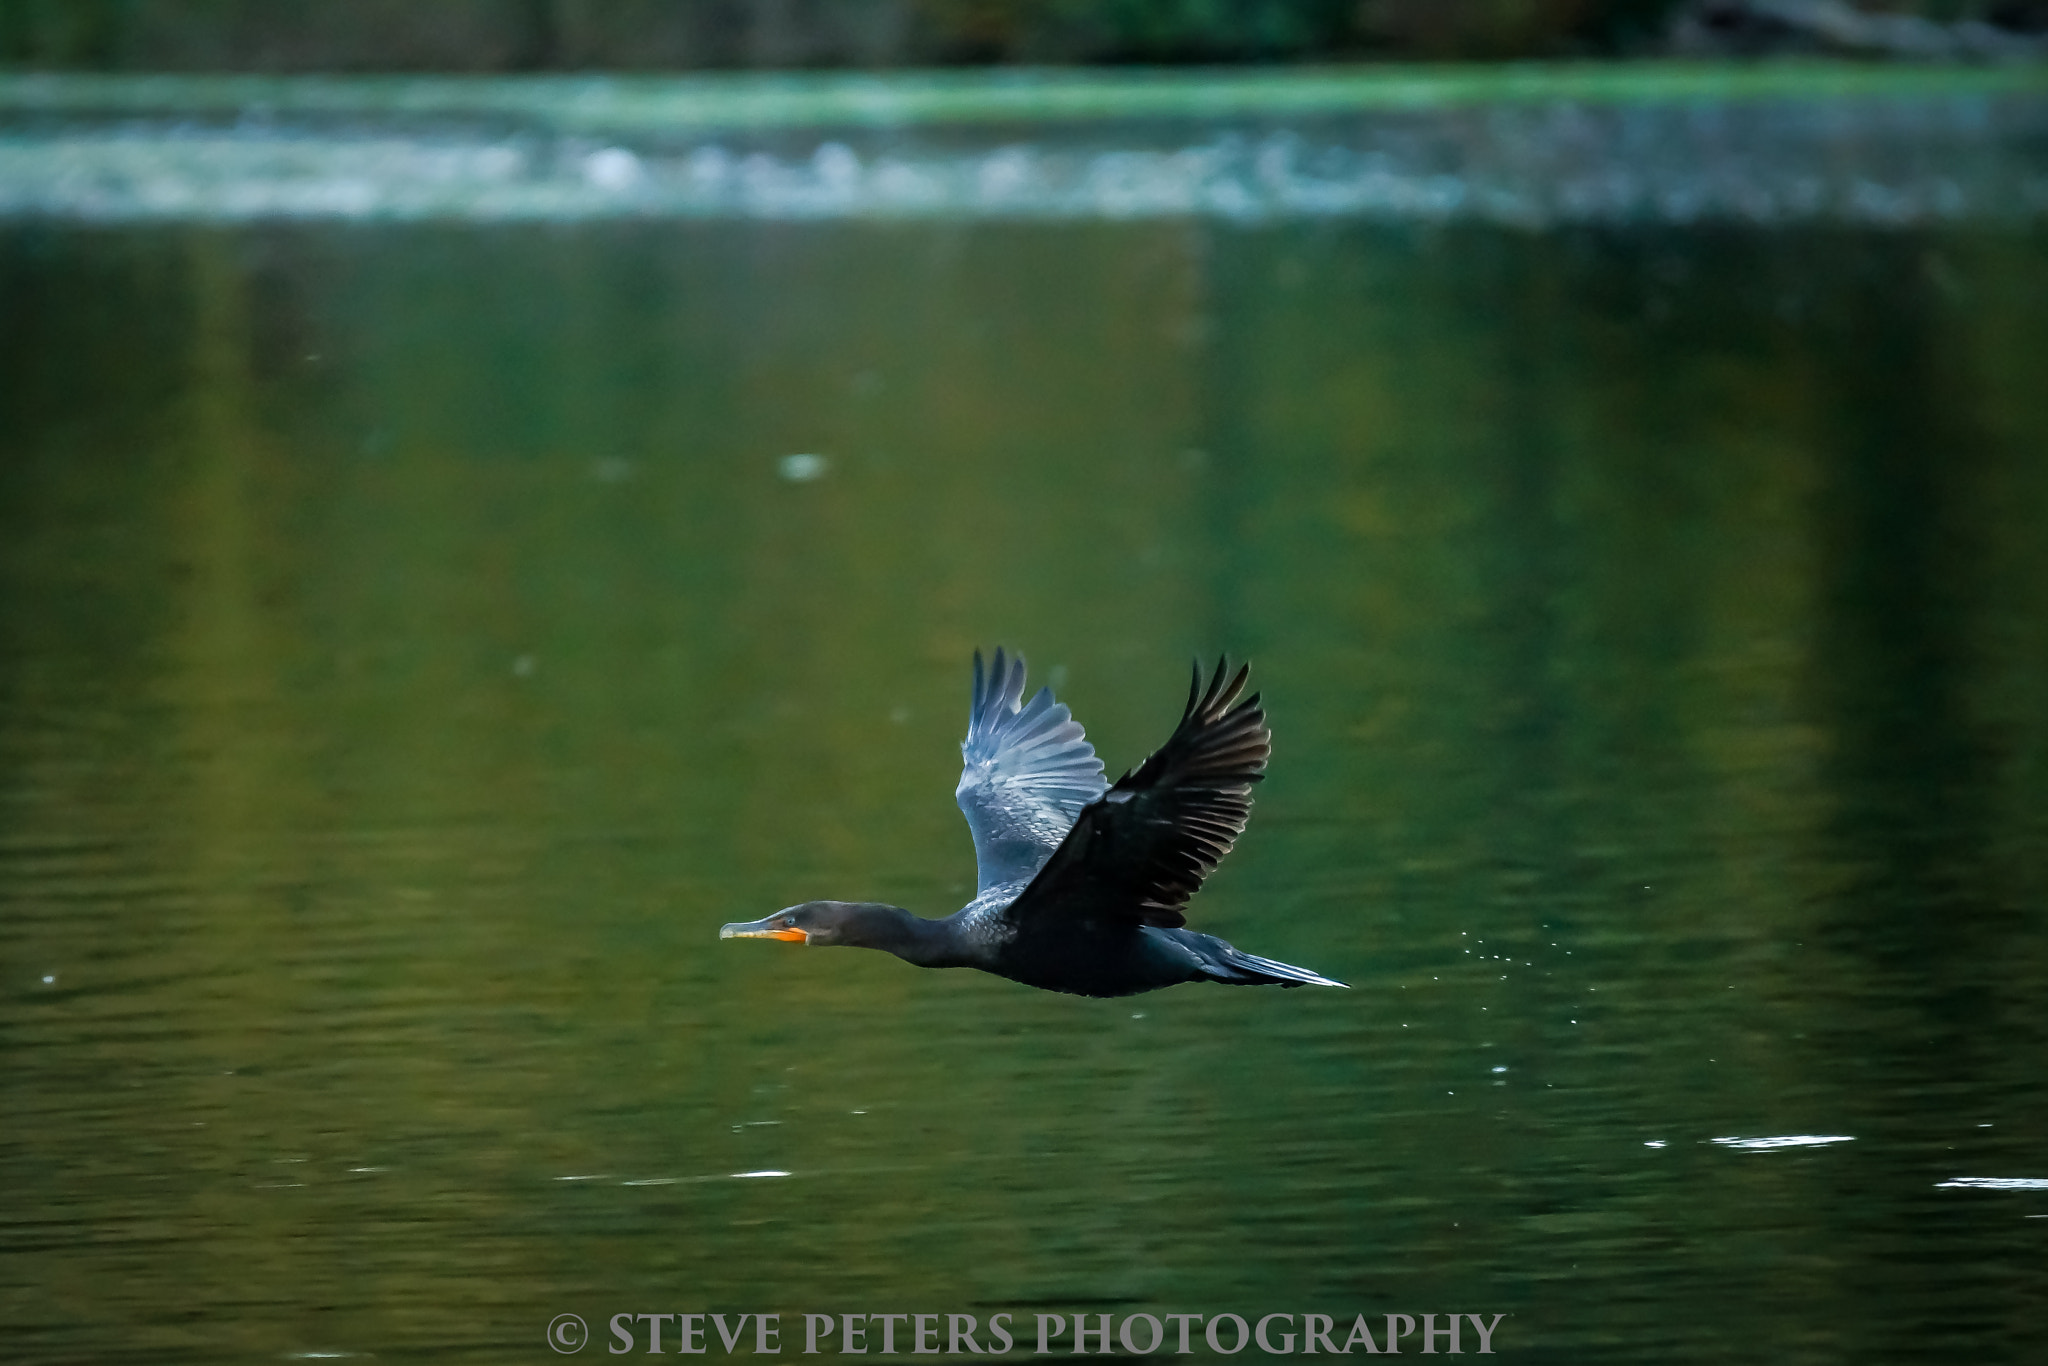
(1026, 772)
(1142, 850)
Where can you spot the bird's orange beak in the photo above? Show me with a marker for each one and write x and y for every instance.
(763, 929)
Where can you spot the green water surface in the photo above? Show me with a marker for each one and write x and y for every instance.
(414, 644)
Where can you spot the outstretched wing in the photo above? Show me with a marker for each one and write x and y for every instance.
(1140, 852)
(1026, 771)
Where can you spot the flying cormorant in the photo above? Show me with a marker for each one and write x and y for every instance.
(1082, 884)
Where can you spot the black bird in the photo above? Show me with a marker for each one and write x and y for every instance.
(1082, 884)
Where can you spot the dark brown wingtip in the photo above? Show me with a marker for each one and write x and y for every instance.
(1221, 695)
(1216, 685)
(1231, 693)
(1200, 692)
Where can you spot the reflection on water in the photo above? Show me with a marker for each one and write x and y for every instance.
(419, 640)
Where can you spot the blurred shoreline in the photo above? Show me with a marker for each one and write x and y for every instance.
(1527, 146)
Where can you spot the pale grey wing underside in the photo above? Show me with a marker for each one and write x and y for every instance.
(1026, 771)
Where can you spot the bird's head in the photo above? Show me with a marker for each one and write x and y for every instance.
(821, 923)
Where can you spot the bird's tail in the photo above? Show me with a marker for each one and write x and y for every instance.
(1236, 968)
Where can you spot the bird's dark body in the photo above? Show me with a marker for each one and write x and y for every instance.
(1092, 958)
(1104, 956)
(1081, 883)
(1115, 960)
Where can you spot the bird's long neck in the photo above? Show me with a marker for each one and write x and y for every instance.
(926, 943)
